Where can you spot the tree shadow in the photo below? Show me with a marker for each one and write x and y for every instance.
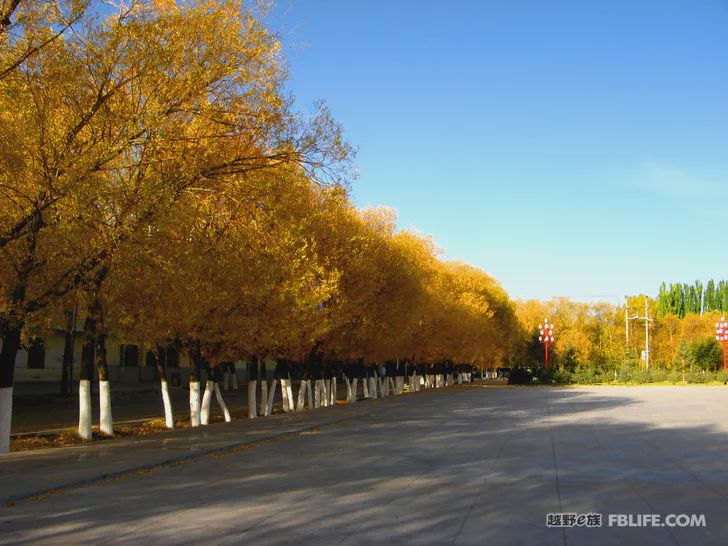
(452, 466)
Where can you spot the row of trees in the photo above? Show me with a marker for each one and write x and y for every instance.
(683, 299)
(153, 173)
(594, 335)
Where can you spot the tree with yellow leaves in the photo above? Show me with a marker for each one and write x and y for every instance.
(111, 126)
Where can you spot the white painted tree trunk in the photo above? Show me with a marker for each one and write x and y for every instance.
(168, 415)
(220, 401)
(287, 405)
(106, 421)
(325, 392)
(373, 387)
(84, 409)
(289, 395)
(301, 402)
(263, 397)
(291, 400)
(195, 403)
(206, 399)
(348, 389)
(332, 399)
(354, 382)
(252, 389)
(318, 387)
(271, 396)
(365, 387)
(309, 391)
(6, 414)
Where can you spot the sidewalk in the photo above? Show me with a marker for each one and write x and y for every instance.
(56, 414)
(30, 473)
(36, 411)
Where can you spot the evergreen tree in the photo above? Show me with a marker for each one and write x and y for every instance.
(709, 297)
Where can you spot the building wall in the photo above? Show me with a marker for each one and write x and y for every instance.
(53, 364)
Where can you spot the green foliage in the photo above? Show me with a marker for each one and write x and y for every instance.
(704, 354)
(682, 299)
(520, 376)
(570, 359)
(627, 375)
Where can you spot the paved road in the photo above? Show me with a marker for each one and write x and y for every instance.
(466, 465)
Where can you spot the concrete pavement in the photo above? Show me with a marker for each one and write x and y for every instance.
(465, 465)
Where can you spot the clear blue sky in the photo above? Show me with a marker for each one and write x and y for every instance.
(568, 148)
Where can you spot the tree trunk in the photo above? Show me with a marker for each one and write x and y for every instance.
(11, 344)
(252, 409)
(271, 397)
(348, 389)
(195, 362)
(166, 401)
(11, 327)
(68, 347)
(106, 421)
(365, 386)
(206, 398)
(333, 395)
(309, 394)
(301, 401)
(221, 401)
(263, 388)
(85, 377)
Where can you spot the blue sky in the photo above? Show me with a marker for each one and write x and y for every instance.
(568, 148)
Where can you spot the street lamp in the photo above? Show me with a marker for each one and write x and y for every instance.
(721, 334)
(546, 336)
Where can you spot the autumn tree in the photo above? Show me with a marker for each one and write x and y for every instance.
(159, 101)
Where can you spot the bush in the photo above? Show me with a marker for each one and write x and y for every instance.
(520, 376)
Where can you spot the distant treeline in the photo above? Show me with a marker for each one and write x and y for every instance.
(681, 298)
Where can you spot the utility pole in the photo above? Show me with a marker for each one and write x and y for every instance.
(647, 334)
(627, 318)
(626, 323)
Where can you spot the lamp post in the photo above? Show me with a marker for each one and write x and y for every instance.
(721, 334)
(546, 336)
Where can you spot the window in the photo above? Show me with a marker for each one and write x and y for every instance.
(150, 360)
(168, 358)
(36, 354)
(172, 357)
(128, 356)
